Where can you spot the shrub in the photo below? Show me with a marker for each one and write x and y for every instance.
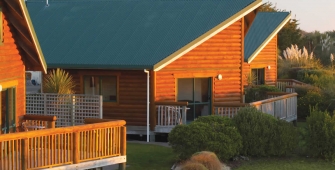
(257, 93)
(58, 81)
(286, 138)
(208, 159)
(264, 135)
(223, 140)
(312, 98)
(321, 134)
(215, 119)
(190, 165)
(321, 78)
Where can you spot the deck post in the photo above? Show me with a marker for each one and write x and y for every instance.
(76, 147)
(52, 123)
(24, 155)
(123, 146)
(184, 111)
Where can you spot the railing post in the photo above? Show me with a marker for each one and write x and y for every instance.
(76, 151)
(24, 153)
(123, 146)
(184, 111)
(72, 107)
(52, 124)
(100, 106)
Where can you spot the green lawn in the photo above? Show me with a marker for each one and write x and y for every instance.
(286, 164)
(149, 157)
(152, 157)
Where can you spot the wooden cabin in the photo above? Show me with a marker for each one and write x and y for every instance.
(20, 52)
(261, 54)
(150, 55)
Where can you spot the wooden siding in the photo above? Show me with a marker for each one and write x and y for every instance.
(132, 94)
(12, 67)
(220, 54)
(267, 57)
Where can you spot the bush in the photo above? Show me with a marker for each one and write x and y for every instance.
(215, 119)
(193, 166)
(321, 134)
(264, 135)
(208, 159)
(223, 140)
(257, 93)
(321, 78)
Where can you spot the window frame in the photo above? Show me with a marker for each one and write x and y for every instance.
(264, 75)
(102, 75)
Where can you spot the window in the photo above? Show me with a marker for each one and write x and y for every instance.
(259, 74)
(101, 85)
(7, 110)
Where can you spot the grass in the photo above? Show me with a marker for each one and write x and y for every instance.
(149, 157)
(296, 163)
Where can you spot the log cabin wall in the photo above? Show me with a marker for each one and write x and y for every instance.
(220, 54)
(12, 68)
(132, 94)
(267, 57)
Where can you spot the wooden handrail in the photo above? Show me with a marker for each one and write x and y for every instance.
(39, 117)
(96, 120)
(277, 93)
(44, 132)
(230, 104)
(291, 80)
(171, 103)
(273, 99)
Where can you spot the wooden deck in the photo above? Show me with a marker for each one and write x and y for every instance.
(78, 147)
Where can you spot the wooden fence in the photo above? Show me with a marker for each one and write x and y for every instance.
(62, 146)
(70, 110)
(281, 105)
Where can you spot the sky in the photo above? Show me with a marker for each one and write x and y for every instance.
(311, 14)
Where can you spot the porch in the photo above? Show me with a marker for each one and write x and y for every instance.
(282, 105)
(95, 144)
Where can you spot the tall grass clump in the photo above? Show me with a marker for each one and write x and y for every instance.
(296, 58)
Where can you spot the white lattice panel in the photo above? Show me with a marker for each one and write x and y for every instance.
(70, 110)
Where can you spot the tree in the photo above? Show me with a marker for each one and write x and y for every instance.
(290, 33)
(58, 81)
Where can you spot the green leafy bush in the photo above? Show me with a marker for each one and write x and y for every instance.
(257, 93)
(321, 134)
(224, 141)
(317, 77)
(215, 119)
(264, 135)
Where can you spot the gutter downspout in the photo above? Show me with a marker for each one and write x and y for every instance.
(148, 103)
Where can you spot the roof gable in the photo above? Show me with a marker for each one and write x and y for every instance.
(265, 26)
(126, 34)
(25, 36)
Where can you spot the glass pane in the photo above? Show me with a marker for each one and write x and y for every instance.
(91, 84)
(201, 90)
(185, 90)
(201, 110)
(108, 88)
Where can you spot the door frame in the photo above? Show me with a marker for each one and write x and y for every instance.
(5, 86)
(209, 92)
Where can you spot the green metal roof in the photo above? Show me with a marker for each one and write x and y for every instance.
(265, 25)
(123, 34)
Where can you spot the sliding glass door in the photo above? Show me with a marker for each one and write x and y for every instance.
(197, 92)
(7, 110)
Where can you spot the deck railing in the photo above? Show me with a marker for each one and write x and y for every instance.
(287, 85)
(281, 105)
(170, 114)
(62, 146)
(70, 109)
(37, 122)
